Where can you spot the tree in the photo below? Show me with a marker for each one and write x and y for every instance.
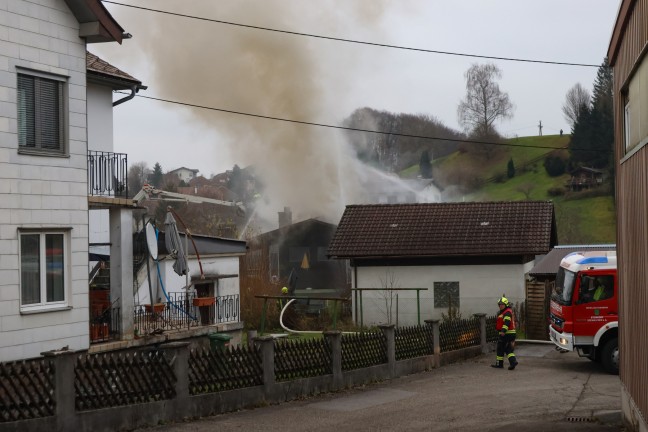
(577, 97)
(485, 103)
(137, 175)
(554, 165)
(526, 189)
(425, 166)
(156, 177)
(510, 169)
(592, 140)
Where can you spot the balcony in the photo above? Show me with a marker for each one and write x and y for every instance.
(107, 174)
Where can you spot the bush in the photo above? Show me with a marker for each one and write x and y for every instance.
(556, 191)
(554, 165)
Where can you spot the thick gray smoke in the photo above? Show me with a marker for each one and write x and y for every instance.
(310, 169)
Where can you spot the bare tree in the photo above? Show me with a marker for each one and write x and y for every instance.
(389, 284)
(137, 174)
(576, 99)
(485, 103)
(526, 189)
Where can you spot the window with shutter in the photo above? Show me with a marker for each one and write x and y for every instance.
(41, 115)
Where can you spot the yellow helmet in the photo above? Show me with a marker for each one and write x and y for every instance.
(284, 290)
(503, 300)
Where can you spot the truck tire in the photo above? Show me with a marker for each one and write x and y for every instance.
(610, 356)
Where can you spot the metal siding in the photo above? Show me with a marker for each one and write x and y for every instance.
(632, 211)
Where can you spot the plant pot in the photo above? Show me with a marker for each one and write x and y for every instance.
(157, 307)
(204, 301)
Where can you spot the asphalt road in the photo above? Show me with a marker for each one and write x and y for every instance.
(548, 391)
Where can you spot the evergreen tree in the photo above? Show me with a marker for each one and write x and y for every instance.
(510, 169)
(592, 140)
(156, 177)
(425, 166)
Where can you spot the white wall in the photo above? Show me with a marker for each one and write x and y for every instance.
(100, 138)
(479, 288)
(38, 191)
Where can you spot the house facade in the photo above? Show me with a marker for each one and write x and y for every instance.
(43, 166)
(421, 261)
(184, 174)
(628, 57)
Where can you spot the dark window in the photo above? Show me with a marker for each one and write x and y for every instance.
(446, 294)
(41, 114)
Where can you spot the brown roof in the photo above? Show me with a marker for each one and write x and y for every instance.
(101, 67)
(445, 229)
(550, 263)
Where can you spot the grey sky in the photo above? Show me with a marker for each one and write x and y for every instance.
(339, 76)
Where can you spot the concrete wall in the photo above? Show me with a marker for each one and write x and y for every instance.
(479, 288)
(42, 191)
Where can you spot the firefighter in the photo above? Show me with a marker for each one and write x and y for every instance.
(505, 326)
(282, 301)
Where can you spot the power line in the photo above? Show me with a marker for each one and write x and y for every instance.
(352, 40)
(324, 125)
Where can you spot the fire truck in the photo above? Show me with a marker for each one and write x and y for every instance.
(584, 313)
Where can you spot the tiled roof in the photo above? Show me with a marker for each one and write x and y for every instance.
(102, 67)
(550, 263)
(445, 229)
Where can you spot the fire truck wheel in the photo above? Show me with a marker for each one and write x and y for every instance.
(610, 356)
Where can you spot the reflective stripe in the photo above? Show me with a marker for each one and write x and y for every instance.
(499, 358)
(511, 355)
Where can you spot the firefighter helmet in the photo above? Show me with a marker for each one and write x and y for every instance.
(503, 300)
(284, 290)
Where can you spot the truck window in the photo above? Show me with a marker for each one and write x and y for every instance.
(595, 288)
(564, 287)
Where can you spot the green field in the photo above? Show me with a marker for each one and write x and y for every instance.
(581, 218)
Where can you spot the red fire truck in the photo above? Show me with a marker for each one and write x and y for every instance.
(584, 307)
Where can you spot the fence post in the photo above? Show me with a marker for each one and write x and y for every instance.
(64, 393)
(388, 331)
(334, 338)
(266, 345)
(482, 331)
(180, 365)
(435, 341)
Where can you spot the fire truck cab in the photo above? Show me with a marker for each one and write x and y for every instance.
(584, 313)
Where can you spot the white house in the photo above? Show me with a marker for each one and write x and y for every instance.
(43, 172)
(459, 256)
(184, 174)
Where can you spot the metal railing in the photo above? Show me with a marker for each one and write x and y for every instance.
(107, 174)
(186, 310)
(105, 325)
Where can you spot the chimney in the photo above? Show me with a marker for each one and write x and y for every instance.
(285, 217)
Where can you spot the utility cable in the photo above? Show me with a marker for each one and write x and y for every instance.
(311, 35)
(324, 125)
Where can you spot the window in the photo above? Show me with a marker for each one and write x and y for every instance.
(635, 121)
(446, 294)
(41, 114)
(43, 264)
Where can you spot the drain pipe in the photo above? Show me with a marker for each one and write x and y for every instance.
(134, 89)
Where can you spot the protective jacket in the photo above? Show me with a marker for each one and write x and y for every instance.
(505, 322)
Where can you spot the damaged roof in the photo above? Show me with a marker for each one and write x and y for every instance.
(445, 229)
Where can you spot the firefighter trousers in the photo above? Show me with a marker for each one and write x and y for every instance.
(506, 347)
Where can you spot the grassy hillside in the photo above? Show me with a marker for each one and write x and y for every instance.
(582, 218)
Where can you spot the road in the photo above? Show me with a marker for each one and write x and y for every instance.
(548, 391)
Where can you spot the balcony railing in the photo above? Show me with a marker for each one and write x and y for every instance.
(107, 174)
(186, 311)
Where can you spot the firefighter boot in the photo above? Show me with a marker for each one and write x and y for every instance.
(499, 364)
(512, 363)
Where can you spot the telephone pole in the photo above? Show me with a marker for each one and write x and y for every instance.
(540, 128)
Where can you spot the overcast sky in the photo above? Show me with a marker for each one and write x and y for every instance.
(323, 81)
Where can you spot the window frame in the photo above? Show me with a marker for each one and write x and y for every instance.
(63, 108)
(439, 302)
(44, 305)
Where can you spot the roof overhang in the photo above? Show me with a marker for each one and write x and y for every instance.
(623, 16)
(96, 23)
(113, 82)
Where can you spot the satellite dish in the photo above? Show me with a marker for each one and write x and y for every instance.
(151, 240)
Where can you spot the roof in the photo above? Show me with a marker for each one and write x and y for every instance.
(445, 230)
(97, 25)
(184, 168)
(206, 245)
(104, 71)
(306, 224)
(550, 263)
